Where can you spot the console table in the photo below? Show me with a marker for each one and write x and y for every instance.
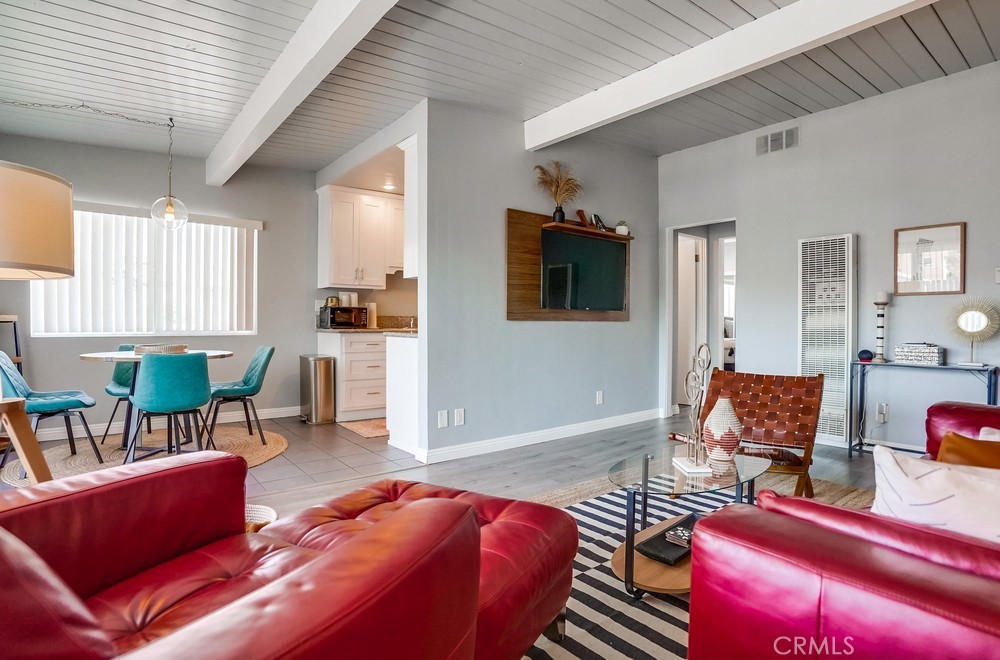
(857, 394)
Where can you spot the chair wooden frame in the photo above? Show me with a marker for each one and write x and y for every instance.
(780, 415)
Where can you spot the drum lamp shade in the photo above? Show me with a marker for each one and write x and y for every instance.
(36, 224)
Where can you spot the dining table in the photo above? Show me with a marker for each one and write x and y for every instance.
(132, 414)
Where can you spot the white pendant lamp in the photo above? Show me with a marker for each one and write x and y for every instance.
(169, 212)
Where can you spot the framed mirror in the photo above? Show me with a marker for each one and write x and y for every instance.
(975, 319)
(930, 260)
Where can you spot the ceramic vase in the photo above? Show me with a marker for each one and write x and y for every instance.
(559, 215)
(722, 433)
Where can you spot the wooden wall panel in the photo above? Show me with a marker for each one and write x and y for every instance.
(524, 274)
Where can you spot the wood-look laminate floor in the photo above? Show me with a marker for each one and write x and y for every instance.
(522, 472)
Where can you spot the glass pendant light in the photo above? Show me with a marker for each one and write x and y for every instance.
(169, 212)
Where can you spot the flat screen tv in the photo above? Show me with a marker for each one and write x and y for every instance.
(579, 272)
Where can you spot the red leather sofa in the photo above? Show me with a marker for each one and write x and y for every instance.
(152, 558)
(958, 417)
(526, 562)
(797, 578)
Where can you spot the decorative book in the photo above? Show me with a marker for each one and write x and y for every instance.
(673, 544)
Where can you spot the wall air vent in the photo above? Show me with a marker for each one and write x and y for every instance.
(778, 141)
(827, 326)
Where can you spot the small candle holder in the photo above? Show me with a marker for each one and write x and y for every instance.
(881, 302)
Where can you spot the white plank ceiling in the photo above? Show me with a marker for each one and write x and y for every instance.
(199, 61)
(195, 61)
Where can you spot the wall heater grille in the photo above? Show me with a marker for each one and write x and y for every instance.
(827, 323)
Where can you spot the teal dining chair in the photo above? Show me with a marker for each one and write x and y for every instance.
(244, 390)
(43, 405)
(176, 386)
(120, 386)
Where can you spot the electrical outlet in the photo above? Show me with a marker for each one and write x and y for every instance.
(600, 397)
(459, 416)
(882, 413)
(442, 419)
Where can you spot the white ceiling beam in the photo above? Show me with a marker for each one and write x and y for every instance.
(794, 29)
(329, 32)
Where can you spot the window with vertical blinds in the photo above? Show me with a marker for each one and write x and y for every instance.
(134, 278)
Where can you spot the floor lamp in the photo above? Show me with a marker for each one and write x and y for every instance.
(36, 242)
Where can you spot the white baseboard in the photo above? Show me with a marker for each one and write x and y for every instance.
(54, 429)
(533, 437)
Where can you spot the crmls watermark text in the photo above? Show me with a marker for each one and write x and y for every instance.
(814, 646)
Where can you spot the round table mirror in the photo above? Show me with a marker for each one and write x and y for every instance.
(975, 319)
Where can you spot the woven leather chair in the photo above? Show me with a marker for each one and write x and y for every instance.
(779, 415)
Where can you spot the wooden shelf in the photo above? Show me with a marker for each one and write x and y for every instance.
(569, 227)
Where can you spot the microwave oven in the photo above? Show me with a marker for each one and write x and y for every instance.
(343, 317)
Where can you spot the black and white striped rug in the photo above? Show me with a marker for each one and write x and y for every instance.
(602, 621)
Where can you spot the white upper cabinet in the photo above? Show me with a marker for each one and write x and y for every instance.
(394, 236)
(354, 226)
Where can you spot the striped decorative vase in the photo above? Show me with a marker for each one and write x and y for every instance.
(722, 432)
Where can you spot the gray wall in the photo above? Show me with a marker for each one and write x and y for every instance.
(284, 199)
(923, 155)
(516, 376)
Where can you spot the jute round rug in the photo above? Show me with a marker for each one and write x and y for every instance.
(233, 440)
(783, 484)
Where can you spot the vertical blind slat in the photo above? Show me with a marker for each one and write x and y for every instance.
(134, 279)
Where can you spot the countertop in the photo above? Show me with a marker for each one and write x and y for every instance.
(402, 332)
(406, 332)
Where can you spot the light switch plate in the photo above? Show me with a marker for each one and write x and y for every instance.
(442, 419)
(996, 274)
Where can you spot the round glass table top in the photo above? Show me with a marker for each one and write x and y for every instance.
(667, 479)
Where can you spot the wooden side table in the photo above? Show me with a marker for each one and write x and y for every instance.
(15, 423)
(649, 574)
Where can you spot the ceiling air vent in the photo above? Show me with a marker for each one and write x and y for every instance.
(778, 141)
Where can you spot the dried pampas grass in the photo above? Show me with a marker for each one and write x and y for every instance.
(558, 182)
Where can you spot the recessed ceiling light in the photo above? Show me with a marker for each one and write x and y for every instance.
(388, 186)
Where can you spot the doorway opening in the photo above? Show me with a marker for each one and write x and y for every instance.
(704, 300)
(691, 318)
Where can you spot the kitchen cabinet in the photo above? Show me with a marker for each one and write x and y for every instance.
(359, 372)
(394, 235)
(353, 230)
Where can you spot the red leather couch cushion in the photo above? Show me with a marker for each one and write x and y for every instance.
(761, 579)
(97, 529)
(942, 547)
(156, 603)
(42, 618)
(404, 589)
(526, 558)
(964, 418)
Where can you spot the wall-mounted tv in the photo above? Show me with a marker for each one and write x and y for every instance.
(580, 272)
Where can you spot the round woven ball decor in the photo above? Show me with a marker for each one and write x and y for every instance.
(231, 439)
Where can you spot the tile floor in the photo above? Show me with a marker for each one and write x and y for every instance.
(323, 454)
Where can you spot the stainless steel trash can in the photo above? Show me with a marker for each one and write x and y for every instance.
(316, 393)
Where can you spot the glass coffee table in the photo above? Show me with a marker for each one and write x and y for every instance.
(654, 473)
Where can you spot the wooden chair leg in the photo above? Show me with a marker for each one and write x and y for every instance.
(800, 486)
